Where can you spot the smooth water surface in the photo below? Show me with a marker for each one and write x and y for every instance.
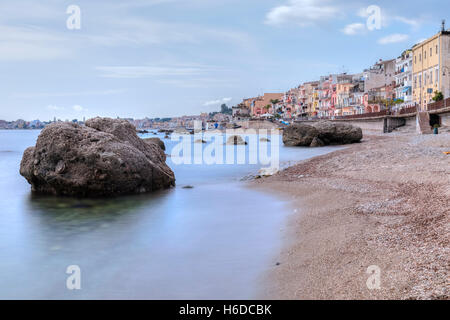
(211, 242)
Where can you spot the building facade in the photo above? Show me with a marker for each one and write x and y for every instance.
(431, 67)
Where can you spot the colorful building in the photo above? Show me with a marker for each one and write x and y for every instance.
(431, 68)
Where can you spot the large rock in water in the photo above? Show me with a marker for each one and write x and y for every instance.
(321, 133)
(103, 158)
(298, 135)
(158, 141)
(338, 133)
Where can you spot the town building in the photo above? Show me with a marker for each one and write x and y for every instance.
(431, 68)
(403, 79)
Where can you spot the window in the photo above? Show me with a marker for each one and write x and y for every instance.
(425, 78)
(415, 59)
(437, 75)
(431, 52)
(424, 55)
(420, 57)
(420, 81)
(431, 77)
(437, 52)
(415, 82)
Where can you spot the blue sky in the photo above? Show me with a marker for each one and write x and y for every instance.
(161, 58)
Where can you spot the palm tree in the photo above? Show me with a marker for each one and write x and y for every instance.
(274, 102)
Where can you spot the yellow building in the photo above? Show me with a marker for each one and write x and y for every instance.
(431, 68)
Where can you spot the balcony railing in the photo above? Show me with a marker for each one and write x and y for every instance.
(439, 105)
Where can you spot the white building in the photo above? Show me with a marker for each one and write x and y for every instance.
(403, 78)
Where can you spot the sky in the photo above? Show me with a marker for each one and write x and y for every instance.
(164, 58)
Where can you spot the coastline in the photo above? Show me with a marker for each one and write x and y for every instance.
(382, 202)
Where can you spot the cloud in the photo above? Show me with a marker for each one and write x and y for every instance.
(354, 29)
(302, 12)
(393, 38)
(217, 102)
(130, 72)
(414, 23)
(54, 108)
(68, 94)
(79, 108)
(31, 43)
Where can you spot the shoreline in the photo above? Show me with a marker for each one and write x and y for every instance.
(381, 202)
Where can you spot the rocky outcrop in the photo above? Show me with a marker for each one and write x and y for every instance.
(299, 135)
(320, 134)
(338, 133)
(157, 141)
(236, 140)
(103, 158)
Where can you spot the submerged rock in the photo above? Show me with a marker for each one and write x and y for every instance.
(236, 140)
(320, 134)
(103, 158)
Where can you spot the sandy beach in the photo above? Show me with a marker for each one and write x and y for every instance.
(382, 202)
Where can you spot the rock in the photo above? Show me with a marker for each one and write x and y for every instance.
(338, 133)
(320, 134)
(264, 140)
(200, 141)
(103, 158)
(181, 131)
(299, 135)
(236, 140)
(158, 141)
(317, 143)
(188, 187)
(267, 172)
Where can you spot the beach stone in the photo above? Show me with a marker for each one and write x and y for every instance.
(338, 133)
(236, 140)
(105, 157)
(299, 135)
(158, 141)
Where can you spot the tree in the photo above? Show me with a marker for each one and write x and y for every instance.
(274, 101)
(438, 96)
(225, 110)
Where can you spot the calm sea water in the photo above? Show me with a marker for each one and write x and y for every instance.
(214, 241)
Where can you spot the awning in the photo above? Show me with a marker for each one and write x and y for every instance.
(406, 89)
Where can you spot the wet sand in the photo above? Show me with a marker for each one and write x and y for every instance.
(383, 202)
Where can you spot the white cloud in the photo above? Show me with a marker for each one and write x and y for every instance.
(68, 94)
(31, 43)
(302, 12)
(128, 72)
(393, 38)
(79, 108)
(217, 102)
(414, 23)
(54, 108)
(354, 29)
